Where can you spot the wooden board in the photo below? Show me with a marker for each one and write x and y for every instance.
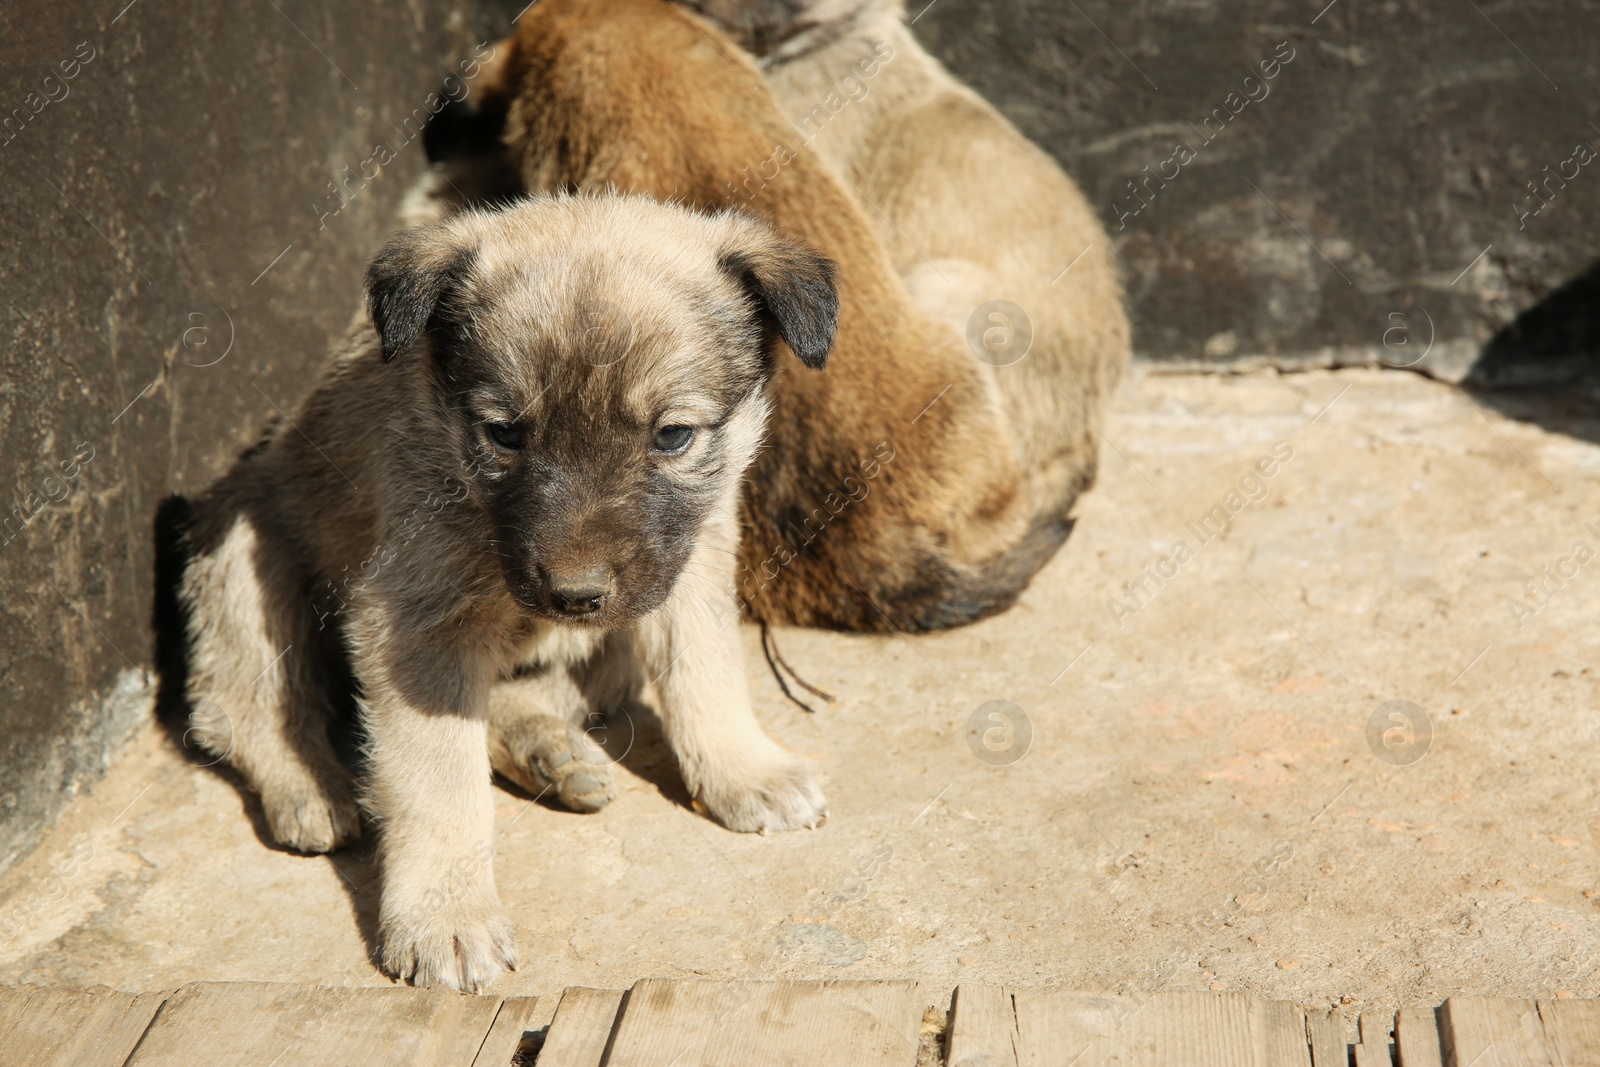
(1416, 1037)
(1373, 1051)
(1325, 1033)
(1572, 1031)
(1180, 1029)
(773, 1024)
(1366, 1055)
(220, 1024)
(581, 1029)
(505, 1034)
(72, 1027)
(983, 1028)
(1493, 1032)
(1376, 1028)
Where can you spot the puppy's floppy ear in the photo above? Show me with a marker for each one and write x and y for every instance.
(463, 131)
(409, 280)
(792, 286)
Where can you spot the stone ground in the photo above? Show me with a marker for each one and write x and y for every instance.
(1199, 807)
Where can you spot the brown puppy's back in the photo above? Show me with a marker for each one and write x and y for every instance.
(887, 494)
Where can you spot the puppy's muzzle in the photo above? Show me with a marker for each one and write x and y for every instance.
(579, 592)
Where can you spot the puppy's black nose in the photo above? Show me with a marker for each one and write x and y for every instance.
(580, 592)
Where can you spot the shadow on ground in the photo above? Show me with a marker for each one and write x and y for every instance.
(1544, 367)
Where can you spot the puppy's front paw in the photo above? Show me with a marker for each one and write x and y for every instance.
(780, 793)
(311, 816)
(463, 945)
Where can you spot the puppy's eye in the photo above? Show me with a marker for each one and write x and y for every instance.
(672, 439)
(507, 435)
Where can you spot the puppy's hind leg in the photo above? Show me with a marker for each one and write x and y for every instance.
(255, 700)
(537, 740)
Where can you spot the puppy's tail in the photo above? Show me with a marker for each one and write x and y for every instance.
(943, 596)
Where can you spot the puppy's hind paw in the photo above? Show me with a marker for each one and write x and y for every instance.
(548, 757)
(309, 817)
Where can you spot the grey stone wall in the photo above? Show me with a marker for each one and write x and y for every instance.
(190, 193)
(1391, 153)
(175, 263)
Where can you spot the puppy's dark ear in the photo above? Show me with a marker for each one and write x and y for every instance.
(464, 131)
(793, 290)
(410, 280)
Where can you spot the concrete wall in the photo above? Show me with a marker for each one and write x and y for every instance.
(1399, 141)
(175, 263)
(175, 259)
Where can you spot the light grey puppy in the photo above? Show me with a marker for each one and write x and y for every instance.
(519, 481)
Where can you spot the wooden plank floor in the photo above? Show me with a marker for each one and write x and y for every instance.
(259, 1022)
(81, 1027)
(775, 1024)
(662, 1023)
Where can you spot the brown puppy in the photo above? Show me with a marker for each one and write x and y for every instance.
(890, 497)
(514, 492)
(970, 210)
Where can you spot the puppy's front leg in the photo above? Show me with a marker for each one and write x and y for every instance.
(691, 647)
(440, 919)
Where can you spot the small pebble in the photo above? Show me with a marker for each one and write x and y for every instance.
(1288, 963)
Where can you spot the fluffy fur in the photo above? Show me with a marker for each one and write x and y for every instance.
(968, 208)
(892, 499)
(489, 507)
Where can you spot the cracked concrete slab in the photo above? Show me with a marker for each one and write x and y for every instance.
(1215, 793)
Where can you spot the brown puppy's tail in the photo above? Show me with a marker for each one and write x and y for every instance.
(943, 596)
